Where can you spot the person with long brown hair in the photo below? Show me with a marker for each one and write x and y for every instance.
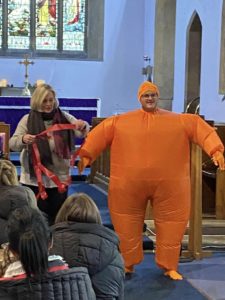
(82, 240)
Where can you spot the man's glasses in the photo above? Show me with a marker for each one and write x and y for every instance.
(149, 95)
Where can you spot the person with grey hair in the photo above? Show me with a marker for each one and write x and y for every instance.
(12, 195)
(54, 149)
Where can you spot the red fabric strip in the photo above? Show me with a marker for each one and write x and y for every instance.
(39, 168)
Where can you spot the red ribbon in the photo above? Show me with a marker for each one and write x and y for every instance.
(39, 168)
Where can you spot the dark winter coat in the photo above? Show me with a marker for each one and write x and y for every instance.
(95, 247)
(70, 284)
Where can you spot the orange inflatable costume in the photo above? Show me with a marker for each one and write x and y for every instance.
(150, 160)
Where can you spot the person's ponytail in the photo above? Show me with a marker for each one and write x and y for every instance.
(33, 253)
(29, 238)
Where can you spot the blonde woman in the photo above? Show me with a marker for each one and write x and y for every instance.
(81, 238)
(55, 150)
(12, 195)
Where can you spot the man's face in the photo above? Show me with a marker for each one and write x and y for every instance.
(149, 101)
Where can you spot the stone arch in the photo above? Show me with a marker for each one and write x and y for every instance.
(193, 60)
(165, 19)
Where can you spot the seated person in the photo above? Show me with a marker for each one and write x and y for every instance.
(27, 270)
(81, 238)
(11, 195)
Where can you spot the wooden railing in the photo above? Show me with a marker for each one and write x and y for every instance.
(195, 222)
(100, 169)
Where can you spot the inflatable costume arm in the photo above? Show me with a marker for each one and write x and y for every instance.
(98, 139)
(205, 136)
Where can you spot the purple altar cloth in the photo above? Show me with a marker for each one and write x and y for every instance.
(13, 108)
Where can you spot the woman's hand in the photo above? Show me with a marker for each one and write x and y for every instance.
(81, 125)
(28, 138)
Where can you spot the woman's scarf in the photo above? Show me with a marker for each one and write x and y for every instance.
(64, 140)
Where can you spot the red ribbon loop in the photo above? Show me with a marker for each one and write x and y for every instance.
(39, 168)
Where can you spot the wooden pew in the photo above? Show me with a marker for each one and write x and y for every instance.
(100, 169)
(220, 181)
(5, 128)
(213, 184)
(220, 195)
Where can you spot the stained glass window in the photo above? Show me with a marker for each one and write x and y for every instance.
(60, 28)
(18, 24)
(73, 25)
(46, 25)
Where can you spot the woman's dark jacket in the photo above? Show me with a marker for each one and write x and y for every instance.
(95, 247)
(70, 284)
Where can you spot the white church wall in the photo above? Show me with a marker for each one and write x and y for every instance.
(210, 13)
(115, 80)
(149, 30)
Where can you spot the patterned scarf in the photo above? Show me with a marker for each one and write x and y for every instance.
(64, 140)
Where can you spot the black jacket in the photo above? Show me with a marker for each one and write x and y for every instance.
(70, 284)
(95, 247)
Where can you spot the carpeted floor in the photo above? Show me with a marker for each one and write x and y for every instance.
(148, 282)
(207, 275)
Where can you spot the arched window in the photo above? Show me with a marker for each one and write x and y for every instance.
(52, 28)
